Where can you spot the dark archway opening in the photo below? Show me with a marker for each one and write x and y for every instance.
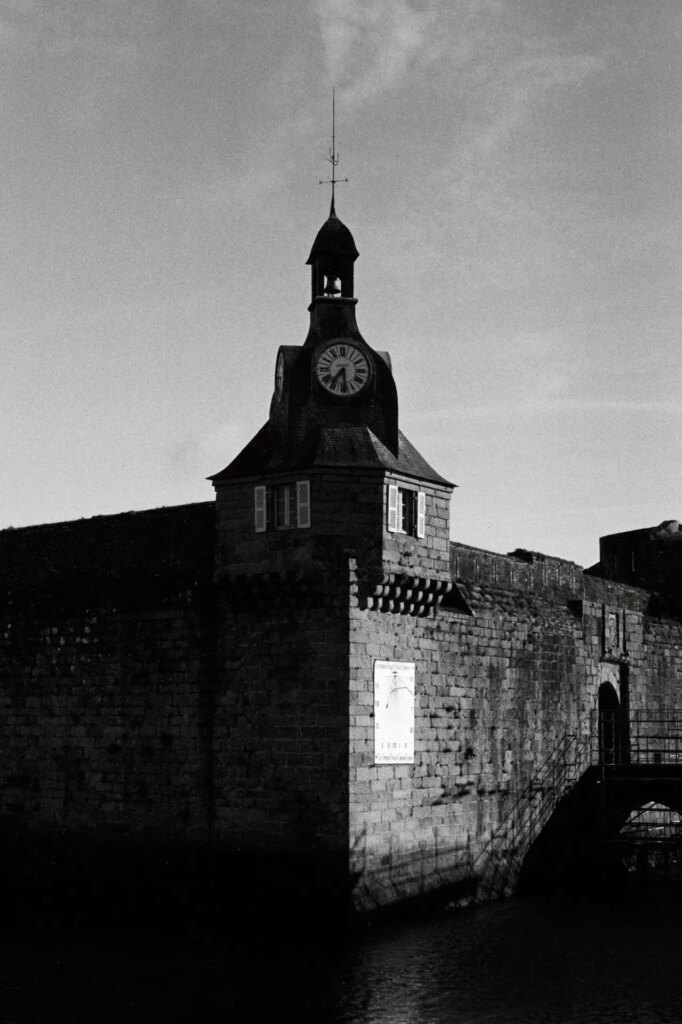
(613, 728)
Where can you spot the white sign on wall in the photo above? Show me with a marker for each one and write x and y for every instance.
(393, 712)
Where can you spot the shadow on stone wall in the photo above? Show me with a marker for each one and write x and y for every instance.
(570, 857)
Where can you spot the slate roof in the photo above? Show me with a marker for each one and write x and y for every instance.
(343, 447)
(333, 238)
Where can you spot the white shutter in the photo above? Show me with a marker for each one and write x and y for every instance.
(392, 508)
(421, 514)
(260, 508)
(303, 503)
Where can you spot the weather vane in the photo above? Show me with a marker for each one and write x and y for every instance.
(333, 157)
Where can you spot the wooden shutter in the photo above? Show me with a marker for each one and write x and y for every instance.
(303, 503)
(421, 514)
(392, 524)
(260, 508)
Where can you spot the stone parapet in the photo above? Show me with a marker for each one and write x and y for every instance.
(531, 572)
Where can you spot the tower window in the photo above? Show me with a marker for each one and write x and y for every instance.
(260, 507)
(406, 511)
(286, 506)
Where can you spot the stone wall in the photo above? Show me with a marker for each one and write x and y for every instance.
(502, 676)
(345, 511)
(348, 515)
(426, 556)
(281, 716)
(141, 695)
(106, 672)
(656, 672)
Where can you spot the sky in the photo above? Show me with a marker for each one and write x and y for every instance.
(515, 195)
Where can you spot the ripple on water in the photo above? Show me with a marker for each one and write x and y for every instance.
(512, 963)
(519, 964)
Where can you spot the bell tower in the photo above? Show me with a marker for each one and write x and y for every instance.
(330, 475)
(328, 514)
(333, 253)
(331, 260)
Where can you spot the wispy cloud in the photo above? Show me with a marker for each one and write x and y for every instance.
(479, 73)
(508, 103)
(523, 82)
(369, 47)
(372, 46)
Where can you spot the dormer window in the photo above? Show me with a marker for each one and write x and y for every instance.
(406, 510)
(285, 506)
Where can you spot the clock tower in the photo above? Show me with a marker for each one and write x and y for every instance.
(331, 527)
(330, 473)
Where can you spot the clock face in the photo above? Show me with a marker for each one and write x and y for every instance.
(343, 368)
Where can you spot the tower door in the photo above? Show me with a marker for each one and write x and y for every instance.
(612, 726)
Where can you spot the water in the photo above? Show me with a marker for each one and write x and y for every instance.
(522, 963)
(513, 963)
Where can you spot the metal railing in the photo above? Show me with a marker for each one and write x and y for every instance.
(643, 754)
(606, 738)
(500, 860)
(643, 738)
(653, 824)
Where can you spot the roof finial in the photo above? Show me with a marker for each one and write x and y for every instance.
(333, 157)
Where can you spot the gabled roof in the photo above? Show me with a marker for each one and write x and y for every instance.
(342, 447)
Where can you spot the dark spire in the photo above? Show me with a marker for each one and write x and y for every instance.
(333, 158)
(333, 252)
(333, 239)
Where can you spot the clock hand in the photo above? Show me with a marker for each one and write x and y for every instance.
(336, 378)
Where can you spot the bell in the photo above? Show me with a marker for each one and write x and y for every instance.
(332, 286)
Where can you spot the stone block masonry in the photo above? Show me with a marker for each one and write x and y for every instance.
(148, 691)
(107, 633)
(498, 687)
(199, 681)
(281, 718)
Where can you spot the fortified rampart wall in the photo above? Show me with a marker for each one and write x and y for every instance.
(280, 729)
(503, 674)
(106, 665)
(140, 697)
